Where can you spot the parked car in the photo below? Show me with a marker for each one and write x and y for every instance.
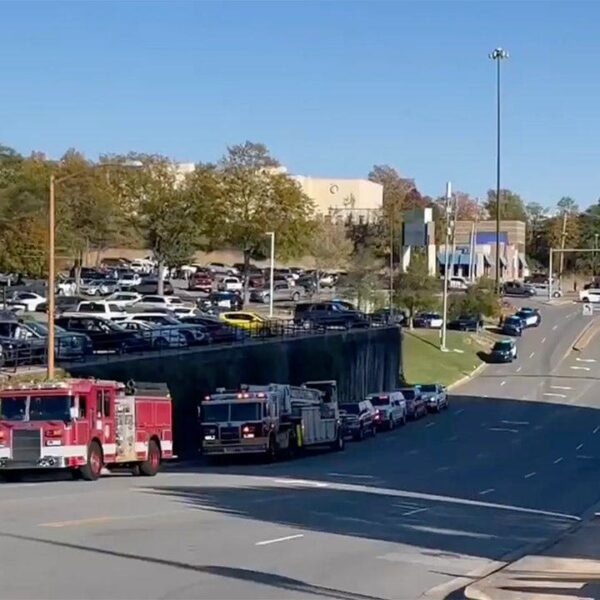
(512, 326)
(161, 337)
(327, 314)
(281, 292)
(106, 335)
(109, 310)
(503, 351)
(141, 265)
(390, 407)
(30, 300)
(428, 320)
(530, 317)
(384, 316)
(150, 286)
(249, 321)
(435, 396)
(129, 280)
(516, 288)
(216, 330)
(124, 299)
(61, 304)
(154, 301)
(200, 282)
(416, 407)
(590, 296)
(308, 282)
(466, 323)
(541, 289)
(194, 334)
(226, 300)
(218, 268)
(67, 344)
(230, 284)
(458, 283)
(256, 281)
(358, 419)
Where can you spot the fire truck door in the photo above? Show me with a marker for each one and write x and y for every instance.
(104, 420)
(125, 422)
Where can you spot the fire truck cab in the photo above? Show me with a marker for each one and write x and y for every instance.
(84, 425)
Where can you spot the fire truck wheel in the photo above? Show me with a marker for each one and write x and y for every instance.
(91, 471)
(150, 467)
(272, 450)
(339, 443)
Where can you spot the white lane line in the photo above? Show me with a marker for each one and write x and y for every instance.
(516, 422)
(453, 438)
(596, 429)
(530, 474)
(554, 327)
(580, 368)
(281, 539)
(543, 340)
(585, 456)
(503, 429)
(484, 396)
(502, 383)
(552, 394)
(440, 469)
(488, 491)
(459, 411)
(579, 447)
(413, 512)
(519, 369)
(532, 355)
(559, 459)
(560, 387)
(306, 482)
(429, 425)
(351, 475)
(586, 360)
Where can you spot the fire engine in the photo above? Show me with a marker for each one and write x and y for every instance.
(84, 425)
(271, 419)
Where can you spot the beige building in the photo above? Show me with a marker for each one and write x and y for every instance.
(343, 195)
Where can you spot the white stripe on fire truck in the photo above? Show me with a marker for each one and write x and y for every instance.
(4, 452)
(141, 446)
(166, 445)
(109, 449)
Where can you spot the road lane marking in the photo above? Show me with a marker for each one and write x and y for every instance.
(532, 355)
(281, 539)
(440, 469)
(559, 459)
(459, 411)
(413, 451)
(453, 438)
(580, 368)
(543, 340)
(579, 447)
(530, 474)
(586, 360)
(503, 429)
(552, 394)
(519, 369)
(488, 491)
(90, 521)
(429, 425)
(106, 518)
(306, 482)
(351, 475)
(596, 429)
(585, 456)
(554, 327)
(516, 422)
(413, 512)
(560, 387)
(503, 382)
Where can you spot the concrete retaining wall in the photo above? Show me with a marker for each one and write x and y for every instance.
(362, 361)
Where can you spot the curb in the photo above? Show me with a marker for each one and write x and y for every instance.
(468, 377)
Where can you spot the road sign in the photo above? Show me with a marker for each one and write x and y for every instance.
(588, 310)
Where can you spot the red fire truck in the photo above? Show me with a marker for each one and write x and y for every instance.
(84, 425)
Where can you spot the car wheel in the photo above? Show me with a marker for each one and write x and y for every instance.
(161, 344)
(306, 324)
(391, 424)
(296, 297)
(348, 325)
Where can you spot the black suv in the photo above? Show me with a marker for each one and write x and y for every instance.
(466, 323)
(327, 314)
(358, 419)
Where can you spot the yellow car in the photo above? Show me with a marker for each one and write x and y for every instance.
(247, 320)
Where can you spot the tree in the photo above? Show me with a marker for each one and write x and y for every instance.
(478, 299)
(362, 282)
(536, 242)
(257, 198)
(415, 289)
(512, 207)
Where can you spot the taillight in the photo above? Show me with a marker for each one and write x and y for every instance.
(2, 438)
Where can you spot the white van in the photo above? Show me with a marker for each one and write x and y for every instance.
(390, 407)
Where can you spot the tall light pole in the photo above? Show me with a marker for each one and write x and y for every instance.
(52, 253)
(271, 234)
(498, 55)
(450, 222)
(595, 254)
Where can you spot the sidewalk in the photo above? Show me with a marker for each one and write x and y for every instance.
(568, 570)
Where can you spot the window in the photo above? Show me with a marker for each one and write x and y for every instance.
(114, 308)
(103, 403)
(82, 407)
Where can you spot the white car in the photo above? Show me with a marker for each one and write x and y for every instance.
(98, 308)
(184, 311)
(168, 302)
(230, 284)
(129, 280)
(435, 395)
(124, 299)
(141, 265)
(30, 300)
(222, 269)
(590, 295)
(390, 407)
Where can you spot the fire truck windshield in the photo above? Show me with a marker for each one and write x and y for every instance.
(215, 413)
(49, 408)
(244, 411)
(13, 409)
(248, 411)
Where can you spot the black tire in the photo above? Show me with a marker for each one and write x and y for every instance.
(403, 421)
(123, 348)
(360, 436)
(161, 343)
(151, 465)
(306, 325)
(391, 425)
(93, 468)
(373, 430)
(348, 325)
(339, 443)
(11, 476)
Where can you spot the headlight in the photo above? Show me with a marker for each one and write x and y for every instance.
(210, 437)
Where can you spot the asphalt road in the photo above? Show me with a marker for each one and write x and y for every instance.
(415, 512)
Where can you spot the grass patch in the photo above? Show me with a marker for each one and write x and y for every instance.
(424, 362)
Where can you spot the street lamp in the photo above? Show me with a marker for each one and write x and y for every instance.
(51, 250)
(271, 234)
(498, 55)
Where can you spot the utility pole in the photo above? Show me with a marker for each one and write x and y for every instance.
(595, 254)
(449, 232)
(392, 215)
(563, 238)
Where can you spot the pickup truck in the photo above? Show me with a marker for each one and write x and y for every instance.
(108, 310)
(281, 292)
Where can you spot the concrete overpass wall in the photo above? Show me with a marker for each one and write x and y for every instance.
(362, 361)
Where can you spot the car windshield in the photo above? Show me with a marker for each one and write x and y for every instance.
(352, 409)
(215, 413)
(513, 321)
(245, 412)
(409, 394)
(379, 400)
(13, 409)
(429, 387)
(501, 346)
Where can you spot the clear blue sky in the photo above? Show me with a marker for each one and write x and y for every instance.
(331, 87)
